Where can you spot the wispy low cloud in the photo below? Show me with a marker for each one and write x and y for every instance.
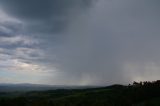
(6, 18)
(22, 63)
(9, 26)
(21, 40)
(19, 54)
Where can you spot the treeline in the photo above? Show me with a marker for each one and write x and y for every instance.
(137, 94)
(141, 92)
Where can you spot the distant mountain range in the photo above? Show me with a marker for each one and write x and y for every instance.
(36, 87)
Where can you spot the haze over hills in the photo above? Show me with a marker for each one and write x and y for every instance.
(8, 87)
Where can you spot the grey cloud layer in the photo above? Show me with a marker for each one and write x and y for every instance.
(102, 42)
(115, 43)
(47, 16)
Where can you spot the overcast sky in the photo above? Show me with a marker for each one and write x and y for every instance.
(79, 42)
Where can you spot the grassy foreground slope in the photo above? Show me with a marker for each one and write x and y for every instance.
(137, 94)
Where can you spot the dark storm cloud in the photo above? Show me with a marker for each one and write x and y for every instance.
(26, 23)
(10, 29)
(115, 43)
(45, 16)
(102, 42)
(42, 9)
